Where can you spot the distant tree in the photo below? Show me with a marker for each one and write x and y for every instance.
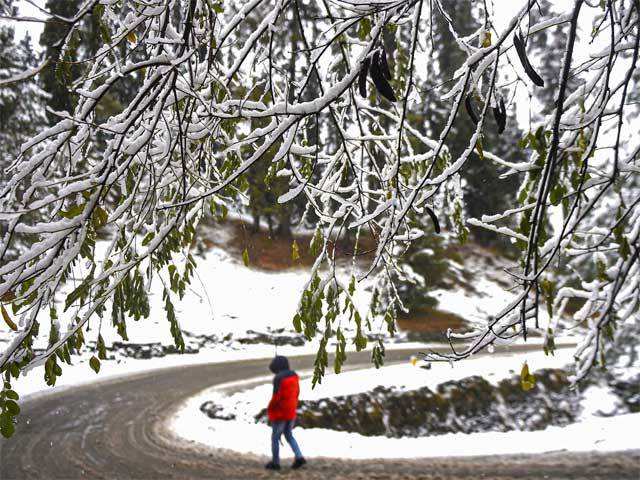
(61, 48)
(484, 189)
(21, 117)
(21, 104)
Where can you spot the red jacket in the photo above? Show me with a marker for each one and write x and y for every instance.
(284, 401)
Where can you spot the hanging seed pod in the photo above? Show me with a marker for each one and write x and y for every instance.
(362, 78)
(382, 85)
(522, 55)
(384, 66)
(471, 111)
(500, 115)
(434, 219)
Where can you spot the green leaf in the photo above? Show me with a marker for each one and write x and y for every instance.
(102, 350)
(601, 268)
(391, 323)
(12, 407)
(7, 429)
(81, 291)
(245, 257)
(100, 217)
(11, 394)
(624, 249)
(74, 211)
(94, 363)
(148, 237)
(7, 319)
(556, 194)
(364, 28)
(352, 285)
(316, 243)
(377, 355)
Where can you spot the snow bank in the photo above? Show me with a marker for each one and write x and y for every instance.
(602, 434)
(245, 399)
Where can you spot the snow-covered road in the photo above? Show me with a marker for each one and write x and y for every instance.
(118, 430)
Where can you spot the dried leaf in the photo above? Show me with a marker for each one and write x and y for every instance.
(7, 319)
(381, 83)
(522, 55)
(471, 111)
(500, 116)
(434, 219)
(362, 78)
(384, 66)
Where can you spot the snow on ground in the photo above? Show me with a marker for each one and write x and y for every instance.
(472, 306)
(224, 297)
(602, 434)
(245, 399)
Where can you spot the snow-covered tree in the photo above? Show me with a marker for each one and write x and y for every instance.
(21, 112)
(214, 101)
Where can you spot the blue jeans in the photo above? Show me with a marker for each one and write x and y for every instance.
(277, 429)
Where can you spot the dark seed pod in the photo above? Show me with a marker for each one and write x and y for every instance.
(522, 55)
(500, 115)
(362, 78)
(384, 66)
(381, 83)
(434, 219)
(471, 111)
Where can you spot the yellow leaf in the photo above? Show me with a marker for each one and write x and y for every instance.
(414, 361)
(7, 319)
(245, 257)
(486, 41)
(527, 381)
(479, 148)
(131, 36)
(295, 251)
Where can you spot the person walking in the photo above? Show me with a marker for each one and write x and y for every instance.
(282, 411)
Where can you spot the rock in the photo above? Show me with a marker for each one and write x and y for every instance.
(215, 411)
(147, 350)
(629, 392)
(468, 405)
(275, 337)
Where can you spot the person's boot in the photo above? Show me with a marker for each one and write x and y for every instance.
(298, 463)
(272, 466)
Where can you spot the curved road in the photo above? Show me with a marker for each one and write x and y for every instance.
(115, 429)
